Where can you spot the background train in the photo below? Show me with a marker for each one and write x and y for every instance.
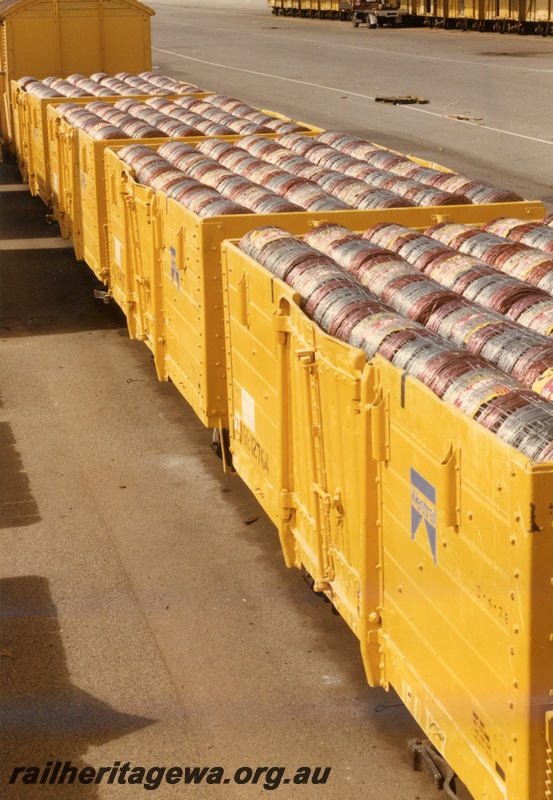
(503, 16)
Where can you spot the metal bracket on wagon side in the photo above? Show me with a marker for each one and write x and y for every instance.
(425, 758)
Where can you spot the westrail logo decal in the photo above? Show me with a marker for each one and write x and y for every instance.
(423, 509)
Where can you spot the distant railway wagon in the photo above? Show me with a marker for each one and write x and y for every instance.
(368, 334)
(323, 9)
(502, 16)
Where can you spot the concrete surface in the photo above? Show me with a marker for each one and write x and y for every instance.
(328, 73)
(142, 619)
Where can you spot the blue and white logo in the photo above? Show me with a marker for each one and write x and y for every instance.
(423, 509)
(175, 276)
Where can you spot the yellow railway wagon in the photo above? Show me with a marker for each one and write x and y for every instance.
(68, 159)
(154, 241)
(430, 535)
(330, 9)
(78, 177)
(31, 135)
(60, 37)
(309, 8)
(539, 12)
(291, 7)
(447, 13)
(499, 13)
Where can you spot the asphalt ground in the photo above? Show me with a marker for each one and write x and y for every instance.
(144, 620)
(328, 73)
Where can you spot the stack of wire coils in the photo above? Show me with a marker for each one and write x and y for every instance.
(341, 305)
(100, 84)
(478, 327)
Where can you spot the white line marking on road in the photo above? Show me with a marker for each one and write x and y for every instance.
(352, 94)
(421, 56)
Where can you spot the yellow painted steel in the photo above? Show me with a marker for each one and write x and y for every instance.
(32, 137)
(135, 249)
(537, 11)
(289, 385)
(78, 173)
(68, 156)
(192, 286)
(310, 7)
(190, 260)
(431, 536)
(501, 10)
(60, 37)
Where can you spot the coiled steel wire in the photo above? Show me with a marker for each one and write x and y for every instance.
(529, 305)
(444, 312)
(516, 415)
(475, 191)
(530, 265)
(532, 234)
(150, 168)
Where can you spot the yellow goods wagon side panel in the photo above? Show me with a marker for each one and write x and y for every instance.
(453, 9)
(191, 260)
(88, 226)
(455, 547)
(135, 264)
(191, 246)
(64, 177)
(537, 10)
(299, 435)
(466, 524)
(58, 37)
(67, 157)
(311, 7)
(501, 10)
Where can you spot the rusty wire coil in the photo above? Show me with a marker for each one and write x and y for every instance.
(148, 171)
(538, 317)
(39, 89)
(260, 147)
(327, 156)
(135, 154)
(473, 191)
(474, 389)
(85, 120)
(351, 145)
(451, 316)
(119, 87)
(312, 197)
(168, 84)
(161, 104)
(167, 179)
(137, 129)
(173, 151)
(129, 105)
(104, 131)
(230, 104)
(134, 82)
(532, 234)
(301, 145)
(516, 259)
(71, 111)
